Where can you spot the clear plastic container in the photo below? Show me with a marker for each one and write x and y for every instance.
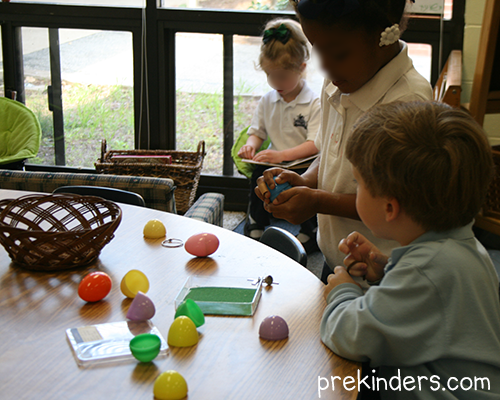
(222, 295)
(109, 342)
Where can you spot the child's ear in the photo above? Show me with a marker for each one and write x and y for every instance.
(303, 67)
(392, 209)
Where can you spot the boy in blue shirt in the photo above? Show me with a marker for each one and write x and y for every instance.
(431, 319)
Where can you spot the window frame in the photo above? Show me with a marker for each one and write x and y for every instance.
(161, 25)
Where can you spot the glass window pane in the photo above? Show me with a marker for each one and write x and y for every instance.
(448, 8)
(199, 96)
(244, 5)
(265, 5)
(35, 42)
(421, 55)
(97, 91)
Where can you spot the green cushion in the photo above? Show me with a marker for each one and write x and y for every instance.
(245, 168)
(20, 132)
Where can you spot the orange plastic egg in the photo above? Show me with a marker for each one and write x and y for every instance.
(95, 286)
(202, 244)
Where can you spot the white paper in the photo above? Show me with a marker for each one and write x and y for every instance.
(428, 7)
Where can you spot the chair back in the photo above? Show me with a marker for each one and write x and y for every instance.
(448, 88)
(118, 195)
(242, 167)
(20, 134)
(284, 242)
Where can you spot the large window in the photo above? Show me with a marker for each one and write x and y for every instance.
(96, 86)
(199, 96)
(162, 77)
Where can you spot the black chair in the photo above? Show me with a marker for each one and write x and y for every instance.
(120, 196)
(283, 241)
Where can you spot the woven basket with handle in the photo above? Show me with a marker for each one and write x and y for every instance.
(58, 231)
(184, 170)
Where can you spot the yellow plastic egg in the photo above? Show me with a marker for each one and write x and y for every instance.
(133, 282)
(154, 229)
(182, 332)
(170, 385)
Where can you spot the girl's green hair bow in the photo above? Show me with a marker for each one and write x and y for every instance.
(282, 33)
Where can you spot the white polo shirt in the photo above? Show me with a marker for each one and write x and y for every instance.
(287, 124)
(398, 80)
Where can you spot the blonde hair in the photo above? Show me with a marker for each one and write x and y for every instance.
(434, 159)
(290, 55)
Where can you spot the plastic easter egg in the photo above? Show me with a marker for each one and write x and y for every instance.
(170, 385)
(182, 333)
(94, 286)
(154, 229)
(190, 309)
(278, 188)
(202, 244)
(141, 308)
(133, 282)
(145, 347)
(273, 328)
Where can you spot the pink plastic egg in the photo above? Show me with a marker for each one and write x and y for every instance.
(202, 244)
(273, 328)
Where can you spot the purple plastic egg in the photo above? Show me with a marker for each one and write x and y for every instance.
(141, 308)
(273, 328)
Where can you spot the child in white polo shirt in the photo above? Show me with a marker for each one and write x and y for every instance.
(358, 44)
(289, 115)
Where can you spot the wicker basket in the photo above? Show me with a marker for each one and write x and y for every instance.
(492, 205)
(58, 231)
(184, 170)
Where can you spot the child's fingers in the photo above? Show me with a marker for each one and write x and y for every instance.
(245, 152)
(260, 195)
(378, 258)
(286, 195)
(260, 157)
(339, 271)
(343, 247)
(357, 268)
(269, 175)
(342, 276)
(262, 191)
(331, 277)
(353, 238)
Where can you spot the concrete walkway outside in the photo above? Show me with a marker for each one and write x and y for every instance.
(105, 58)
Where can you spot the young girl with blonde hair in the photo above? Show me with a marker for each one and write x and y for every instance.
(288, 115)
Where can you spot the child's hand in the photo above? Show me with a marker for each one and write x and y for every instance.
(270, 156)
(340, 276)
(246, 151)
(282, 176)
(294, 205)
(370, 262)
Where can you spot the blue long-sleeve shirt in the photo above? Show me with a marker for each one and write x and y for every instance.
(435, 314)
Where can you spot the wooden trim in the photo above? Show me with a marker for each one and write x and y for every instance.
(485, 59)
(488, 224)
(448, 88)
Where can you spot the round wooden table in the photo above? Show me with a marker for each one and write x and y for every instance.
(229, 362)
